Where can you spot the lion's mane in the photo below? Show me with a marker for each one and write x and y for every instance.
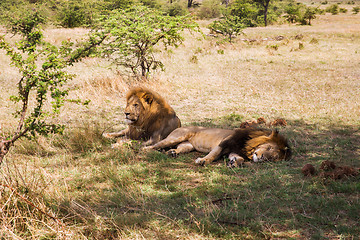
(157, 116)
(244, 142)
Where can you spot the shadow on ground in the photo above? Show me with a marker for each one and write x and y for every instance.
(164, 198)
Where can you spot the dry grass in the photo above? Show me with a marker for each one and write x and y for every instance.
(251, 79)
(310, 78)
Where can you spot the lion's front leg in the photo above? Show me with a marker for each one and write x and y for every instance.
(214, 154)
(167, 142)
(176, 137)
(124, 132)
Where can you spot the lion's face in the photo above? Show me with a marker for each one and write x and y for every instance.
(133, 111)
(268, 152)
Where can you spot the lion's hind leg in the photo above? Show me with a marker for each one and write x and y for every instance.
(183, 147)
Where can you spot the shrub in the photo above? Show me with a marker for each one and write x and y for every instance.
(176, 9)
(333, 9)
(25, 24)
(42, 84)
(116, 4)
(133, 34)
(151, 3)
(229, 26)
(356, 10)
(19, 11)
(292, 13)
(210, 9)
(309, 15)
(343, 10)
(76, 13)
(273, 47)
(247, 13)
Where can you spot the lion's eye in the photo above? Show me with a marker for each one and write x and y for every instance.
(135, 105)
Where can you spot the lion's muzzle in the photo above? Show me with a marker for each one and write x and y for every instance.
(129, 119)
(257, 158)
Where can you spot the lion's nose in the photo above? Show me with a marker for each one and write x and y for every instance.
(127, 114)
(256, 158)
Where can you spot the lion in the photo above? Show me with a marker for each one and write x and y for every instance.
(240, 145)
(149, 117)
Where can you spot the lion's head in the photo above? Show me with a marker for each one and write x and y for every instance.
(273, 147)
(142, 103)
(136, 108)
(147, 113)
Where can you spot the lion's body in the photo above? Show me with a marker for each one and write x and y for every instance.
(240, 144)
(149, 117)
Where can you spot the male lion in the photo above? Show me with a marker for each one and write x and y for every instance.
(239, 144)
(149, 117)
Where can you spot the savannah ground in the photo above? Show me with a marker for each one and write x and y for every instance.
(80, 188)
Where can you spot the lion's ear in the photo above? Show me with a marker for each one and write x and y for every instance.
(148, 98)
(274, 133)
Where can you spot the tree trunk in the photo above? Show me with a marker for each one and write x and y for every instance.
(4, 149)
(190, 2)
(266, 7)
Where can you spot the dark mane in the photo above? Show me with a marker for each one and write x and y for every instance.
(239, 142)
(236, 142)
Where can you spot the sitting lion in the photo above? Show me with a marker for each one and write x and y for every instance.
(149, 117)
(239, 144)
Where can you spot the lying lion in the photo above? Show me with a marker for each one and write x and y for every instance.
(239, 144)
(149, 117)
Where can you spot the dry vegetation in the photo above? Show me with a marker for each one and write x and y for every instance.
(82, 189)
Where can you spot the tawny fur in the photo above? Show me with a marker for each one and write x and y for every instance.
(239, 144)
(149, 116)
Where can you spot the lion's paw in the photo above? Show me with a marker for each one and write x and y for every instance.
(172, 153)
(235, 160)
(200, 161)
(107, 135)
(116, 145)
(147, 148)
(232, 163)
(121, 143)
